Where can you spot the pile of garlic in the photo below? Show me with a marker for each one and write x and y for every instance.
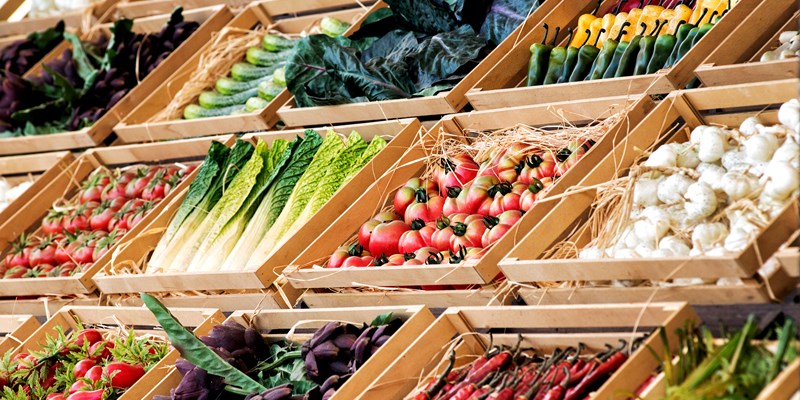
(10, 193)
(47, 8)
(712, 195)
(789, 47)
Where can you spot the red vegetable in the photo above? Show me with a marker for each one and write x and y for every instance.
(455, 172)
(418, 237)
(385, 237)
(406, 195)
(81, 367)
(426, 207)
(87, 395)
(123, 375)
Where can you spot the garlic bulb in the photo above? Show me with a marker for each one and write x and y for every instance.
(675, 245)
(712, 145)
(706, 235)
(645, 191)
(701, 201)
(759, 148)
(688, 158)
(781, 180)
(738, 185)
(672, 189)
(664, 157)
(748, 126)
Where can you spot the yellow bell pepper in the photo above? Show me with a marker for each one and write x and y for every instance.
(584, 23)
(682, 13)
(633, 30)
(595, 28)
(608, 23)
(649, 17)
(619, 19)
(715, 8)
(666, 16)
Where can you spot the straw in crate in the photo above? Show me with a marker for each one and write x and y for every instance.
(333, 353)
(453, 205)
(687, 214)
(80, 348)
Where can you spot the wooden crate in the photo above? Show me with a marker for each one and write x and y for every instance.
(66, 184)
(135, 128)
(42, 168)
(486, 295)
(504, 85)
(278, 296)
(97, 13)
(404, 133)
(276, 323)
(789, 255)
(14, 329)
(448, 102)
(593, 325)
(305, 272)
(9, 7)
(45, 306)
(723, 105)
(114, 318)
(211, 19)
(736, 59)
(276, 8)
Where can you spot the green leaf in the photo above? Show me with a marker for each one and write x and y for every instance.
(197, 353)
(86, 70)
(47, 38)
(119, 31)
(382, 319)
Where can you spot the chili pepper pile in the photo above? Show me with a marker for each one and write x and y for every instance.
(638, 41)
(504, 373)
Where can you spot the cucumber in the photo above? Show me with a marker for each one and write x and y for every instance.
(193, 111)
(255, 104)
(239, 110)
(262, 58)
(214, 99)
(246, 72)
(333, 27)
(228, 86)
(268, 90)
(276, 43)
(279, 77)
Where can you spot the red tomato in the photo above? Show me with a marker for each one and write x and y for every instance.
(425, 254)
(365, 232)
(505, 164)
(455, 172)
(366, 261)
(155, 190)
(135, 187)
(570, 155)
(53, 222)
(91, 336)
(427, 207)
(20, 253)
(94, 374)
(407, 194)
(44, 253)
(498, 226)
(385, 238)
(101, 217)
(467, 234)
(123, 375)
(539, 167)
(87, 395)
(16, 272)
(477, 198)
(81, 367)
(136, 215)
(418, 237)
(507, 200)
(536, 190)
(114, 190)
(342, 253)
(83, 254)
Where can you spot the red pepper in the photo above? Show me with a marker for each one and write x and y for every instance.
(439, 383)
(557, 393)
(611, 364)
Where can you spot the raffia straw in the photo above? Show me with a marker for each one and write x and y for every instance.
(228, 48)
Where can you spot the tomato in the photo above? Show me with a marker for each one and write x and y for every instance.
(136, 215)
(20, 253)
(155, 190)
(467, 234)
(44, 253)
(101, 351)
(94, 374)
(399, 259)
(92, 188)
(427, 207)
(570, 155)
(81, 367)
(453, 203)
(62, 254)
(507, 200)
(101, 217)
(66, 269)
(365, 232)
(342, 253)
(418, 237)
(114, 190)
(16, 272)
(41, 271)
(538, 167)
(102, 246)
(76, 221)
(455, 172)
(498, 226)
(53, 222)
(385, 238)
(505, 165)
(537, 189)
(123, 375)
(87, 395)
(135, 187)
(83, 254)
(355, 261)
(407, 194)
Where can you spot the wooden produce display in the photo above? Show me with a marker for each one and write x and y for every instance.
(210, 19)
(785, 386)
(400, 135)
(120, 319)
(789, 255)
(447, 102)
(66, 185)
(307, 271)
(294, 325)
(505, 84)
(40, 169)
(135, 127)
(670, 121)
(14, 329)
(99, 12)
(595, 326)
(736, 59)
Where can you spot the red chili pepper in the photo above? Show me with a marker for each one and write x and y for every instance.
(557, 393)
(439, 383)
(614, 361)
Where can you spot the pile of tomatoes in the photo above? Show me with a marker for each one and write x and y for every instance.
(78, 233)
(83, 365)
(464, 208)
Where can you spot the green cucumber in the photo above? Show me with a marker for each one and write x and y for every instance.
(239, 110)
(214, 99)
(193, 111)
(279, 77)
(333, 27)
(268, 90)
(262, 58)
(246, 72)
(255, 104)
(276, 43)
(228, 86)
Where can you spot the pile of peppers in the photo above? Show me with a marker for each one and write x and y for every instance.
(504, 373)
(637, 42)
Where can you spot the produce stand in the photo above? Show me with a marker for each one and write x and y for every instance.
(736, 60)
(14, 329)
(681, 109)
(403, 133)
(594, 326)
(66, 185)
(448, 102)
(276, 323)
(200, 320)
(211, 20)
(42, 168)
(135, 127)
(505, 84)
(306, 273)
